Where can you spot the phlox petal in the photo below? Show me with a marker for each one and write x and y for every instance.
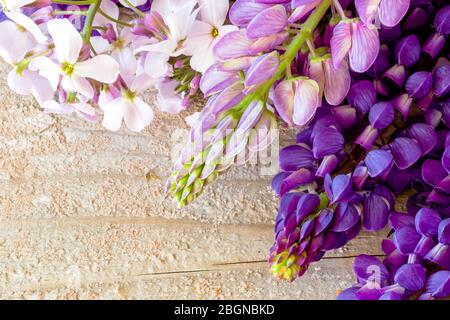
(27, 23)
(67, 40)
(102, 68)
(214, 12)
(138, 114)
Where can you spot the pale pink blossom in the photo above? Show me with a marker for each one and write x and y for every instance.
(78, 106)
(179, 17)
(72, 72)
(15, 43)
(167, 98)
(126, 105)
(206, 32)
(119, 49)
(13, 10)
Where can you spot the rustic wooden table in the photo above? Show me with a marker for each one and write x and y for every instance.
(79, 220)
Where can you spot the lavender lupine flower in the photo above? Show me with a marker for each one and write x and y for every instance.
(357, 40)
(390, 14)
(215, 144)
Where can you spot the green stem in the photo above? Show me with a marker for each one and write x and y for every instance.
(66, 13)
(103, 13)
(87, 30)
(136, 10)
(74, 2)
(297, 42)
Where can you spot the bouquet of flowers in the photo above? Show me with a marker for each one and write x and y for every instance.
(365, 83)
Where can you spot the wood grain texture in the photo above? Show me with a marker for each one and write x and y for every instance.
(79, 220)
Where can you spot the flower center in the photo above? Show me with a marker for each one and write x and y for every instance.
(21, 66)
(119, 44)
(215, 32)
(128, 94)
(67, 68)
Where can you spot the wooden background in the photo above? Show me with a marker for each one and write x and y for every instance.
(78, 220)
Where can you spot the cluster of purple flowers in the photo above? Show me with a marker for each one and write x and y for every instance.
(416, 265)
(354, 165)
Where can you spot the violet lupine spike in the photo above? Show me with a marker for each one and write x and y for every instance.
(395, 140)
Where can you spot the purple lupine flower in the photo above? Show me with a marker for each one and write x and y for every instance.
(436, 41)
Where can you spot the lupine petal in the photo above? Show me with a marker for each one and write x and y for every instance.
(341, 42)
(267, 22)
(442, 20)
(444, 231)
(295, 157)
(425, 135)
(381, 115)
(362, 96)
(262, 69)
(408, 51)
(306, 101)
(370, 269)
(438, 284)
(307, 204)
(346, 216)
(375, 213)
(398, 220)
(250, 116)
(446, 159)
(440, 255)
(214, 80)
(411, 277)
(367, 10)
(433, 172)
(323, 221)
(284, 100)
(427, 222)
(378, 162)
(441, 77)
(345, 116)
(328, 141)
(296, 179)
(232, 45)
(419, 84)
(406, 239)
(341, 188)
(367, 138)
(243, 11)
(337, 82)
(392, 11)
(365, 46)
(406, 152)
